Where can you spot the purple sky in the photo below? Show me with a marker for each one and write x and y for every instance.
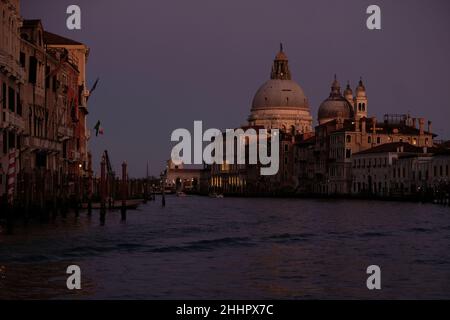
(165, 63)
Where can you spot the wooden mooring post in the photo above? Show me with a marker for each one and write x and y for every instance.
(103, 190)
(124, 190)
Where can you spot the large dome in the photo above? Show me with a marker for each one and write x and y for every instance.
(280, 102)
(277, 93)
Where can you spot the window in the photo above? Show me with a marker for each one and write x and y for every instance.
(4, 95)
(5, 142)
(378, 140)
(11, 140)
(446, 170)
(11, 99)
(349, 138)
(369, 139)
(32, 72)
(47, 77)
(22, 59)
(19, 105)
(348, 153)
(41, 160)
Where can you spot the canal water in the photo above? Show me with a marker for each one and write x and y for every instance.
(234, 248)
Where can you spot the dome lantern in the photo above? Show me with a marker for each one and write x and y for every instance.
(280, 68)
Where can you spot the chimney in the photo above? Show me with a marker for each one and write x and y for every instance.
(363, 126)
(421, 126)
(374, 125)
(430, 127)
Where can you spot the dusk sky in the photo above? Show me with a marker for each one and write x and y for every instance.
(165, 63)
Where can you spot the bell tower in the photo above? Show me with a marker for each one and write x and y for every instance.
(360, 101)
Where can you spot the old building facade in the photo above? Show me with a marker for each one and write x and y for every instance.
(12, 77)
(44, 138)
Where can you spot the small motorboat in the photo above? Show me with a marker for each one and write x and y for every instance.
(215, 195)
(181, 194)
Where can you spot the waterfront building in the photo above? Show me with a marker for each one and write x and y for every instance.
(179, 178)
(344, 129)
(12, 124)
(43, 101)
(316, 161)
(386, 169)
(400, 169)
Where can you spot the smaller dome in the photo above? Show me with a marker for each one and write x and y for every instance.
(336, 106)
(332, 109)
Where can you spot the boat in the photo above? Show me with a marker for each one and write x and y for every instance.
(181, 194)
(215, 195)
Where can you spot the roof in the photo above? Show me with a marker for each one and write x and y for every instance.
(308, 141)
(54, 39)
(381, 127)
(394, 147)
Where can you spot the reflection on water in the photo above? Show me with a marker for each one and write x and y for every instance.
(207, 248)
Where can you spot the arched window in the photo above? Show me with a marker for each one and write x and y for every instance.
(349, 138)
(363, 107)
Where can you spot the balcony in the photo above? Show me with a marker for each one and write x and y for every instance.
(64, 133)
(37, 143)
(74, 156)
(10, 120)
(11, 66)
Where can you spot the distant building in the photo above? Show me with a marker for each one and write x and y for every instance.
(319, 161)
(179, 178)
(400, 169)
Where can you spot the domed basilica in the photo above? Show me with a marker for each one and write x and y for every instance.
(280, 102)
